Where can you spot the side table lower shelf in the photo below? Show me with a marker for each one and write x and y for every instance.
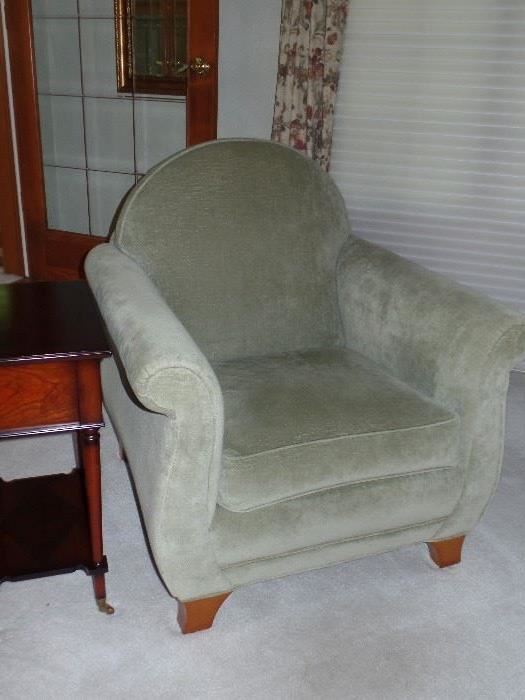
(52, 341)
(44, 527)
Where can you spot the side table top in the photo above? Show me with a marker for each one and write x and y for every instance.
(50, 320)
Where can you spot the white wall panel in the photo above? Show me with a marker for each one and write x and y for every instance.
(248, 52)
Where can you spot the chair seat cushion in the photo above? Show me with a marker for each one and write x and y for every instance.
(303, 422)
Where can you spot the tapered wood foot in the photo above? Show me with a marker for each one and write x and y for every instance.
(104, 606)
(446, 552)
(99, 586)
(199, 614)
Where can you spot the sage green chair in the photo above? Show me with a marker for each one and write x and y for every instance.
(289, 396)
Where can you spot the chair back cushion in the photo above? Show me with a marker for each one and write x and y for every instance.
(241, 237)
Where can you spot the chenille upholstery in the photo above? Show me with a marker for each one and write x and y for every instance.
(351, 423)
(289, 396)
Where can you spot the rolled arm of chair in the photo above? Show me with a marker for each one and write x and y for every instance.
(447, 341)
(155, 349)
(166, 404)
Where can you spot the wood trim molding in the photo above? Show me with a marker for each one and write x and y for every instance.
(10, 230)
(202, 90)
(65, 253)
(29, 147)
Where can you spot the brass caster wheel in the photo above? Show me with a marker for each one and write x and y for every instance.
(105, 607)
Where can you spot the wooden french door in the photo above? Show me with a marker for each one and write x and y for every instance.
(55, 253)
(10, 233)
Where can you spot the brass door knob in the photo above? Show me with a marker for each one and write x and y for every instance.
(200, 66)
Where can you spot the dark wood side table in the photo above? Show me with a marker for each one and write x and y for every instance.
(51, 343)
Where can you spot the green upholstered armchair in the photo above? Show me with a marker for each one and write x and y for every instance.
(289, 396)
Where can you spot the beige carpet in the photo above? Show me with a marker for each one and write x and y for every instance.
(386, 627)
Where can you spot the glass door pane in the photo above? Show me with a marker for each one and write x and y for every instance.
(98, 139)
(159, 104)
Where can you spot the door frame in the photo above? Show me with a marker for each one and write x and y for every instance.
(202, 90)
(54, 254)
(10, 229)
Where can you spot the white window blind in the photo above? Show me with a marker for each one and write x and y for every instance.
(429, 142)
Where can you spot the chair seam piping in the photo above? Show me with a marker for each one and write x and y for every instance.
(341, 484)
(283, 448)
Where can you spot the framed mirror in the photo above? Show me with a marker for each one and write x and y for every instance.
(151, 46)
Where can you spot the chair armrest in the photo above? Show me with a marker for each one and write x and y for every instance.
(426, 329)
(156, 351)
(449, 342)
(169, 420)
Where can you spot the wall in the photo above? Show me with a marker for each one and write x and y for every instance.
(249, 44)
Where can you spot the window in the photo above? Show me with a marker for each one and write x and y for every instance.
(429, 138)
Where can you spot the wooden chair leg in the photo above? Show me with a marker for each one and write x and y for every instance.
(199, 615)
(446, 552)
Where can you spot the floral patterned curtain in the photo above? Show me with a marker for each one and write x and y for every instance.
(310, 52)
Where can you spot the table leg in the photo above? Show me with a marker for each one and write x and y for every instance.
(89, 452)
